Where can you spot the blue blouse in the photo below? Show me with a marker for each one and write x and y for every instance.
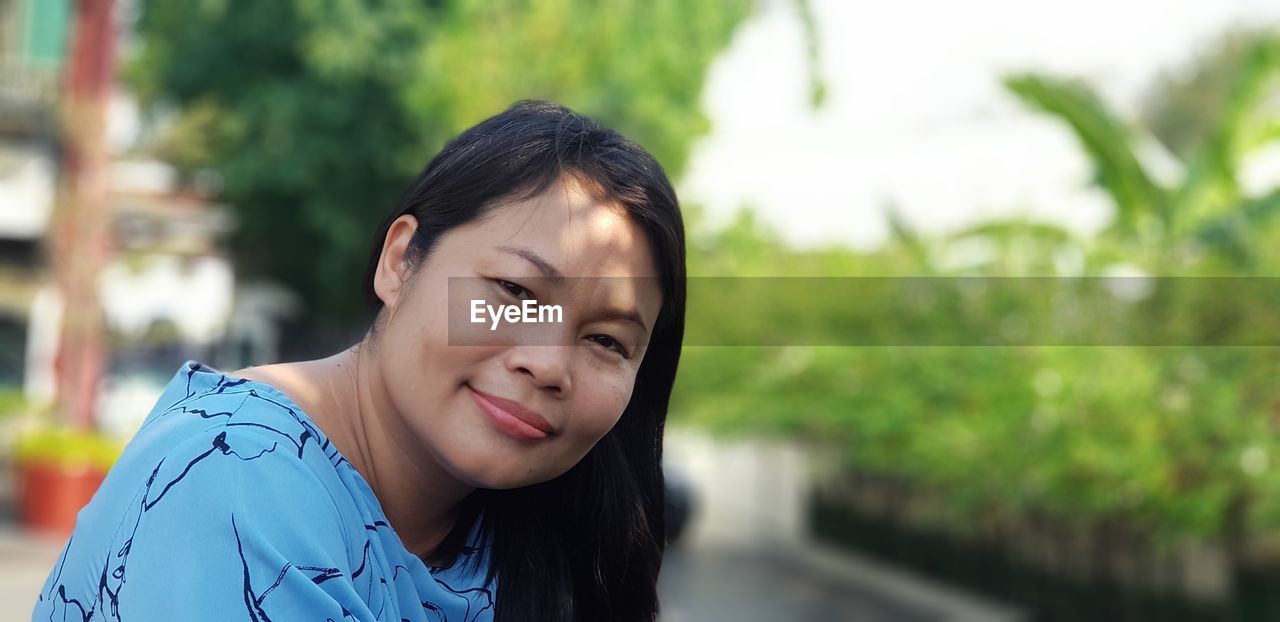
(230, 504)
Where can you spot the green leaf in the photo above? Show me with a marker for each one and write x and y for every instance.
(1106, 141)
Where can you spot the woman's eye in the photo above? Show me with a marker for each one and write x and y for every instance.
(610, 343)
(512, 288)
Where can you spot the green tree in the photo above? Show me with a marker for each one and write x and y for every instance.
(316, 113)
(1203, 217)
(1174, 442)
(1183, 106)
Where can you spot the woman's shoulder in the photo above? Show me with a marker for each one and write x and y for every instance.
(224, 480)
(202, 402)
(212, 432)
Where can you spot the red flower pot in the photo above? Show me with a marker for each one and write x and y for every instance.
(51, 495)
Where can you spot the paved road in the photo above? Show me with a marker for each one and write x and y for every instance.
(807, 584)
(25, 561)
(756, 586)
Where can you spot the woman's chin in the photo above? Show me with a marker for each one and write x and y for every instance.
(479, 474)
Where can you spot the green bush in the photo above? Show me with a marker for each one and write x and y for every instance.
(67, 447)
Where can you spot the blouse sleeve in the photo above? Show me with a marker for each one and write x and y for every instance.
(233, 525)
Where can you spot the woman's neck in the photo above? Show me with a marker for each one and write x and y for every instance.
(418, 495)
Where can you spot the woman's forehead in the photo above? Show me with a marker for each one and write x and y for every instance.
(569, 230)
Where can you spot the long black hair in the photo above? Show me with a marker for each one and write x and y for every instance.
(588, 544)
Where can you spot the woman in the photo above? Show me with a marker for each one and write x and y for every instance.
(442, 468)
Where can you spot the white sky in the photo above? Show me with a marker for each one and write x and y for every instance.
(916, 115)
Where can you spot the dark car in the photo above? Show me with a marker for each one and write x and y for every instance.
(681, 503)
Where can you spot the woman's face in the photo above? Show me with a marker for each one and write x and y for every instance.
(462, 387)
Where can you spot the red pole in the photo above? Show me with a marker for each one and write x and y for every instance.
(80, 235)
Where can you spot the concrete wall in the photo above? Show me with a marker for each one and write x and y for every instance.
(748, 491)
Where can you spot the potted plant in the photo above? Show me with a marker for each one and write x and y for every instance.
(58, 470)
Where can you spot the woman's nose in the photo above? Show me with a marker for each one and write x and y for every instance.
(546, 366)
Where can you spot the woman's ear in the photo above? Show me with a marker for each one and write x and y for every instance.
(393, 264)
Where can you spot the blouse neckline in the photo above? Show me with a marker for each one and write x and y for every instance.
(337, 459)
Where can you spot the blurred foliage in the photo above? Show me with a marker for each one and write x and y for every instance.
(1183, 105)
(1203, 219)
(1178, 441)
(12, 402)
(813, 46)
(317, 113)
(67, 447)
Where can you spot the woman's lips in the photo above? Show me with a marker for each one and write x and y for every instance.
(511, 417)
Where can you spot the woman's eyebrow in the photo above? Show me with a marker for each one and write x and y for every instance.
(549, 271)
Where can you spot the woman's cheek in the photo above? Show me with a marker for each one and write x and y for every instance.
(613, 395)
(461, 329)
